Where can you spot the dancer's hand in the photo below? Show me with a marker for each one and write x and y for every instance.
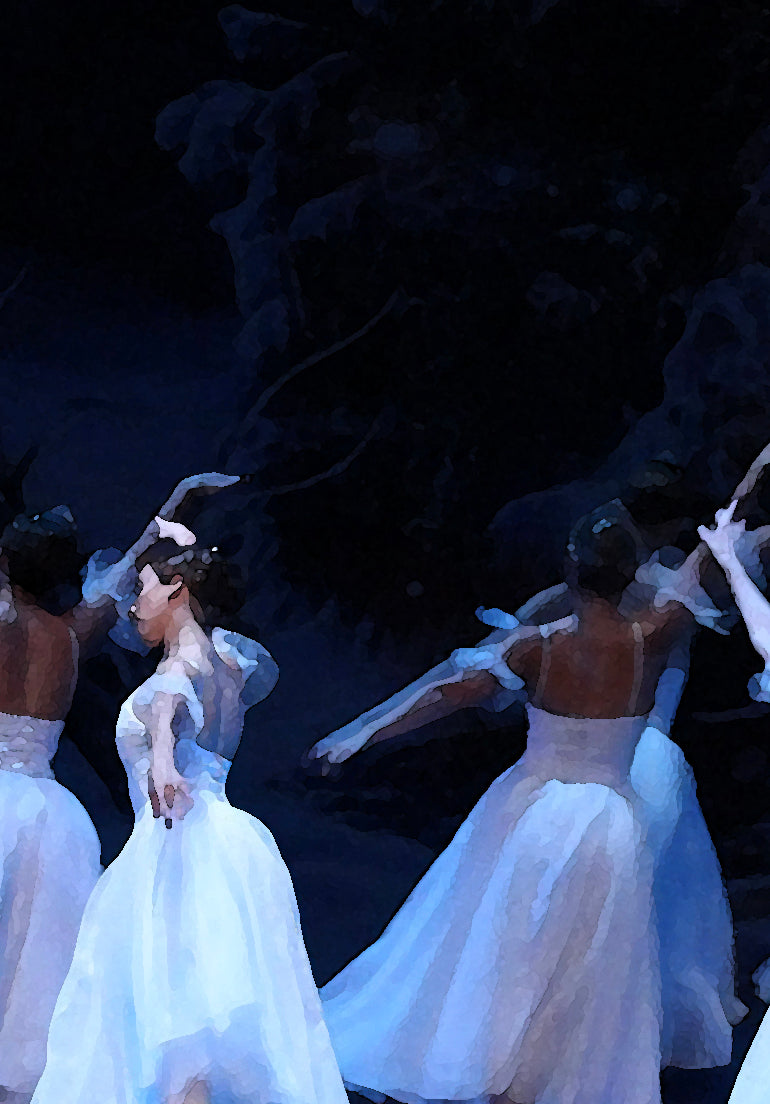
(331, 751)
(169, 793)
(175, 531)
(725, 535)
(204, 483)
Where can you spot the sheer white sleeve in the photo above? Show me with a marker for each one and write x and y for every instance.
(680, 584)
(489, 656)
(255, 664)
(111, 575)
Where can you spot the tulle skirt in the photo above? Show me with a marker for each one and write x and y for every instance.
(693, 915)
(50, 864)
(190, 966)
(570, 941)
(524, 963)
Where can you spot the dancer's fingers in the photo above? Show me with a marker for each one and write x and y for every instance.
(725, 516)
(153, 795)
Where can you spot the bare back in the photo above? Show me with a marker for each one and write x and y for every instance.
(38, 665)
(599, 666)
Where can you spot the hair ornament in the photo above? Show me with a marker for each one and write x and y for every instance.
(601, 524)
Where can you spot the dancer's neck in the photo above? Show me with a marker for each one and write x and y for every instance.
(590, 608)
(184, 638)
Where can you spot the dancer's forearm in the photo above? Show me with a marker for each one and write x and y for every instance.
(437, 694)
(438, 703)
(697, 559)
(753, 605)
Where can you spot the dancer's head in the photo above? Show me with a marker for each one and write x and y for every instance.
(604, 552)
(40, 552)
(173, 579)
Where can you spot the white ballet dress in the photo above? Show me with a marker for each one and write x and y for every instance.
(190, 965)
(573, 938)
(49, 864)
(524, 962)
(692, 911)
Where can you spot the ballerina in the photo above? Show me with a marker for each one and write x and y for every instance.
(724, 541)
(693, 917)
(190, 980)
(502, 974)
(49, 849)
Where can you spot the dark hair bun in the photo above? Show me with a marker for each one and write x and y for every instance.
(604, 551)
(215, 584)
(42, 551)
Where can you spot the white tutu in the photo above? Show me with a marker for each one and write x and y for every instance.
(525, 961)
(693, 915)
(412, 998)
(50, 863)
(190, 964)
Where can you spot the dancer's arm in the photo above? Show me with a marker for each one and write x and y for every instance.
(107, 588)
(683, 584)
(470, 677)
(441, 691)
(754, 607)
(168, 792)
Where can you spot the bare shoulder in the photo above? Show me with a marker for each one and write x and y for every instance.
(524, 655)
(45, 627)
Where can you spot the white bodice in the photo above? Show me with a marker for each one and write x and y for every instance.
(28, 744)
(209, 711)
(582, 749)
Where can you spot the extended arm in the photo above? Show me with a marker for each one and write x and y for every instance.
(107, 587)
(470, 677)
(439, 692)
(754, 607)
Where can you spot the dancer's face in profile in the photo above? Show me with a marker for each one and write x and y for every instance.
(155, 604)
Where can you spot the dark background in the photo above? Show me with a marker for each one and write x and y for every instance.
(519, 250)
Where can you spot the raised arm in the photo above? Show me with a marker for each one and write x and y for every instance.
(684, 584)
(754, 607)
(106, 587)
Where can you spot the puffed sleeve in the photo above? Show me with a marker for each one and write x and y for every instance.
(678, 584)
(109, 574)
(258, 668)
(489, 656)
